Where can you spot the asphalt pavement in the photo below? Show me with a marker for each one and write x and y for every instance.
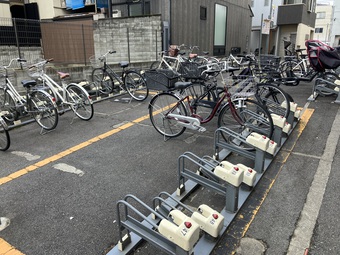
(60, 189)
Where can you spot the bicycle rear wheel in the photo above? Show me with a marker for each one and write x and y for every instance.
(43, 109)
(160, 106)
(135, 85)
(275, 99)
(243, 117)
(103, 81)
(5, 140)
(8, 106)
(80, 101)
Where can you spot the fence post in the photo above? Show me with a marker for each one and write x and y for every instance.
(84, 44)
(156, 45)
(16, 36)
(128, 42)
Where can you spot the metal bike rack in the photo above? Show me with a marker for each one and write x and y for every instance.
(319, 89)
(174, 236)
(259, 155)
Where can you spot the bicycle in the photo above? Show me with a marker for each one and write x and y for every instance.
(130, 81)
(171, 113)
(36, 102)
(259, 87)
(71, 95)
(5, 140)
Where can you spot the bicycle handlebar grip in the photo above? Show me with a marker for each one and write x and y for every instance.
(49, 60)
(112, 51)
(21, 60)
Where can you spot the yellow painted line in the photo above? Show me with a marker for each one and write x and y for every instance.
(300, 127)
(7, 249)
(68, 151)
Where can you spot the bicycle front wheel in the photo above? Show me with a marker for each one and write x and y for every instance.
(160, 106)
(80, 101)
(43, 109)
(275, 99)
(244, 116)
(103, 81)
(5, 140)
(135, 85)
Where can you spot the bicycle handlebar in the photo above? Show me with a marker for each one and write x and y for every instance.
(104, 56)
(17, 59)
(41, 63)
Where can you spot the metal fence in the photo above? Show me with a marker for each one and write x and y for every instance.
(75, 41)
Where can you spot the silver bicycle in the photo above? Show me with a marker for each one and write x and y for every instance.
(67, 95)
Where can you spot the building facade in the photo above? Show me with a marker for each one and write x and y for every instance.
(276, 21)
(323, 23)
(215, 26)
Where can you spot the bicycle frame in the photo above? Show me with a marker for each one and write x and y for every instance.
(55, 88)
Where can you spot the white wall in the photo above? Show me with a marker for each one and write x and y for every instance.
(4, 11)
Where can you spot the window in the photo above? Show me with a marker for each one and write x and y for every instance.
(266, 2)
(321, 15)
(319, 30)
(252, 3)
(203, 13)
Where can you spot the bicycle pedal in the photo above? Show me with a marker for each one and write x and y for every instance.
(202, 129)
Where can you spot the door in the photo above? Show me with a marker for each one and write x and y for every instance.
(220, 29)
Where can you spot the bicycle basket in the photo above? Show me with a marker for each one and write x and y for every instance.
(241, 86)
(95, 62)
(160, 79)
(173, 50)
(189, 70)
(35, 69)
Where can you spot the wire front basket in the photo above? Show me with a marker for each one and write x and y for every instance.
(96, 62)
(241, 86)
(35, 69)
(160, 79)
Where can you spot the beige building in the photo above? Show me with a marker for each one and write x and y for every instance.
(323, 22)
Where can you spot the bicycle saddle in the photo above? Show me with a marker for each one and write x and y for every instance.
(182, 85)
(63, 75)
(28, 83)
(124, 64)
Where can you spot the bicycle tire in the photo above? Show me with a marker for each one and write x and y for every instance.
(135, 85)
(8, 105)
(5, 140)
(81, 103)
(249, 116)
(329, 77)
(103, 81)
(158, 108)
(43, 109)
(274, 98)
(291, 71)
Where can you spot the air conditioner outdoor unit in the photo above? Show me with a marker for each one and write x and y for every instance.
(116, 13)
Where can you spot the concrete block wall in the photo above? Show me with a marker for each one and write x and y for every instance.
(137, 39)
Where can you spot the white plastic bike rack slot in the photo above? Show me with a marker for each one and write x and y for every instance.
(210, 220)
(183, 231)
(249, 175)
(258, 141)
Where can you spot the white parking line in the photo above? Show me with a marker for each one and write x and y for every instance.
(26, 155)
